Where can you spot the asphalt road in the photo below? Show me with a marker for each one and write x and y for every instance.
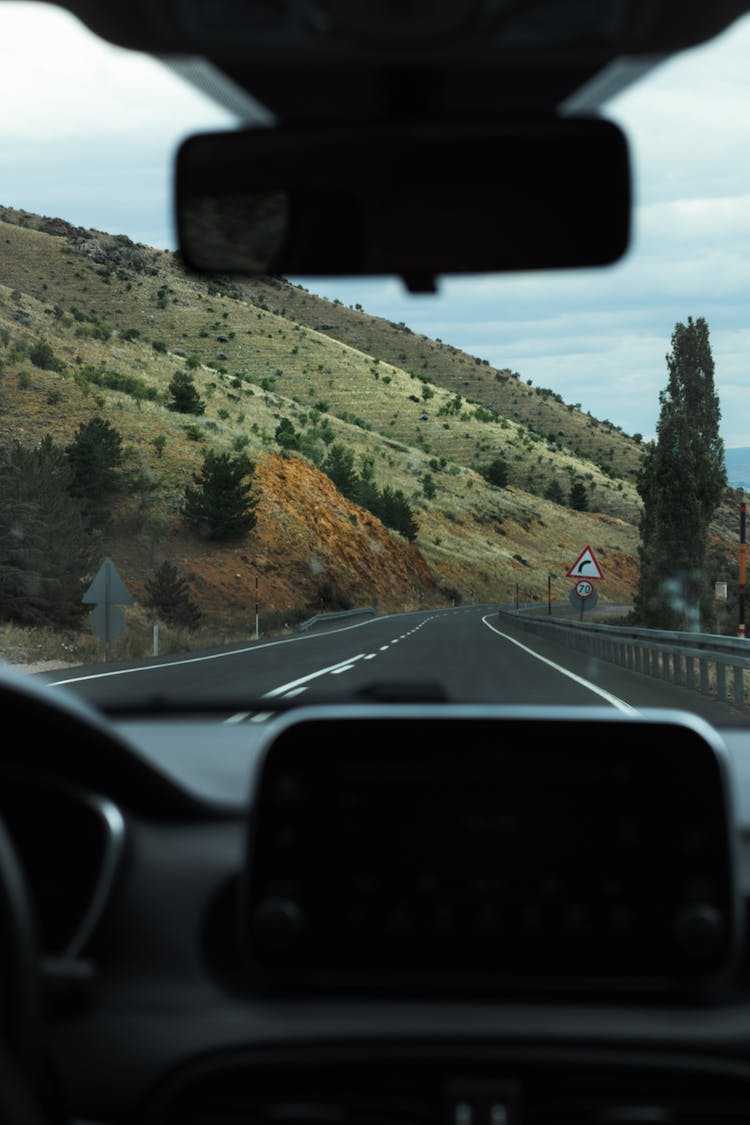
(468, 653)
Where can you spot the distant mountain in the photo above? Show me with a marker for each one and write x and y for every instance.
(738, 466)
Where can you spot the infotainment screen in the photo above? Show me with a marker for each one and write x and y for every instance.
(490, 850)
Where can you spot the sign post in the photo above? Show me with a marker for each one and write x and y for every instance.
(107, 593)
(585, 570)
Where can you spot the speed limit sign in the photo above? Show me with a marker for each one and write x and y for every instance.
(584, 589)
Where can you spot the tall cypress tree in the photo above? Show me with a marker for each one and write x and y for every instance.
(681, 481)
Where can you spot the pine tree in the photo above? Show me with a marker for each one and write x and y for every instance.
(496, 472)
(185, 397)
(45, 551)
(578, 498)
(168, 594)
(94, 456)
(286, 435)
(397, 513)
(339, 466)
(221, 502)
(554, 492)
(368, 494)
(681, 481)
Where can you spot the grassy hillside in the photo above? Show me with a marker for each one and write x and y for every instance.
(94, 324)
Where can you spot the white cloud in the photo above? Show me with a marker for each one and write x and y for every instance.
(67, 84)
(110, 121)
(93, 128)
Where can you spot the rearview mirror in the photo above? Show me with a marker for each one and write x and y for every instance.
(416, 200)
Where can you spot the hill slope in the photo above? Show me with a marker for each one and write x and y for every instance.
(117, 320)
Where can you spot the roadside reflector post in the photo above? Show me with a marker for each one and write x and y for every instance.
(257, 618)
(549, 595)
(156, 640)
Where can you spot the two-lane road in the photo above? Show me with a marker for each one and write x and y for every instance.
(470, 653)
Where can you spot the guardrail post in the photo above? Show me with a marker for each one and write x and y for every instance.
(678, 662)
(704, 676)
(721, 681)
(739, 687)
(689, 672)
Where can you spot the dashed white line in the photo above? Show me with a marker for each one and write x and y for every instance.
(283, 688)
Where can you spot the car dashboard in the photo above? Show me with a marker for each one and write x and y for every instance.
(388, 913)
(380, 913)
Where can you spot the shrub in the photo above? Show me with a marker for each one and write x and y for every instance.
(42, 356)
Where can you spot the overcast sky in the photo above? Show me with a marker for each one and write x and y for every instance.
(89, 131)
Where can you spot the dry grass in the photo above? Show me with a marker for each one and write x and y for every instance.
(473, 537)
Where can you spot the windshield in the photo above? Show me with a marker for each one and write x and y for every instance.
(282, 489)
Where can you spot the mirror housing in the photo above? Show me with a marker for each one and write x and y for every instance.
(417, 200)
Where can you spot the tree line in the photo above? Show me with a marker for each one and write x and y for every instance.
(57, 503)
(389, 505)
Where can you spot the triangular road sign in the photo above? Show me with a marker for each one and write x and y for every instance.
(107, 588)
(585, 566)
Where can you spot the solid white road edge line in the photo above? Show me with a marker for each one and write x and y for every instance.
(222, 655)
(620, 704)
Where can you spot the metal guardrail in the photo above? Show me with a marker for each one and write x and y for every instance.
(704, 662)
(305, 625)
